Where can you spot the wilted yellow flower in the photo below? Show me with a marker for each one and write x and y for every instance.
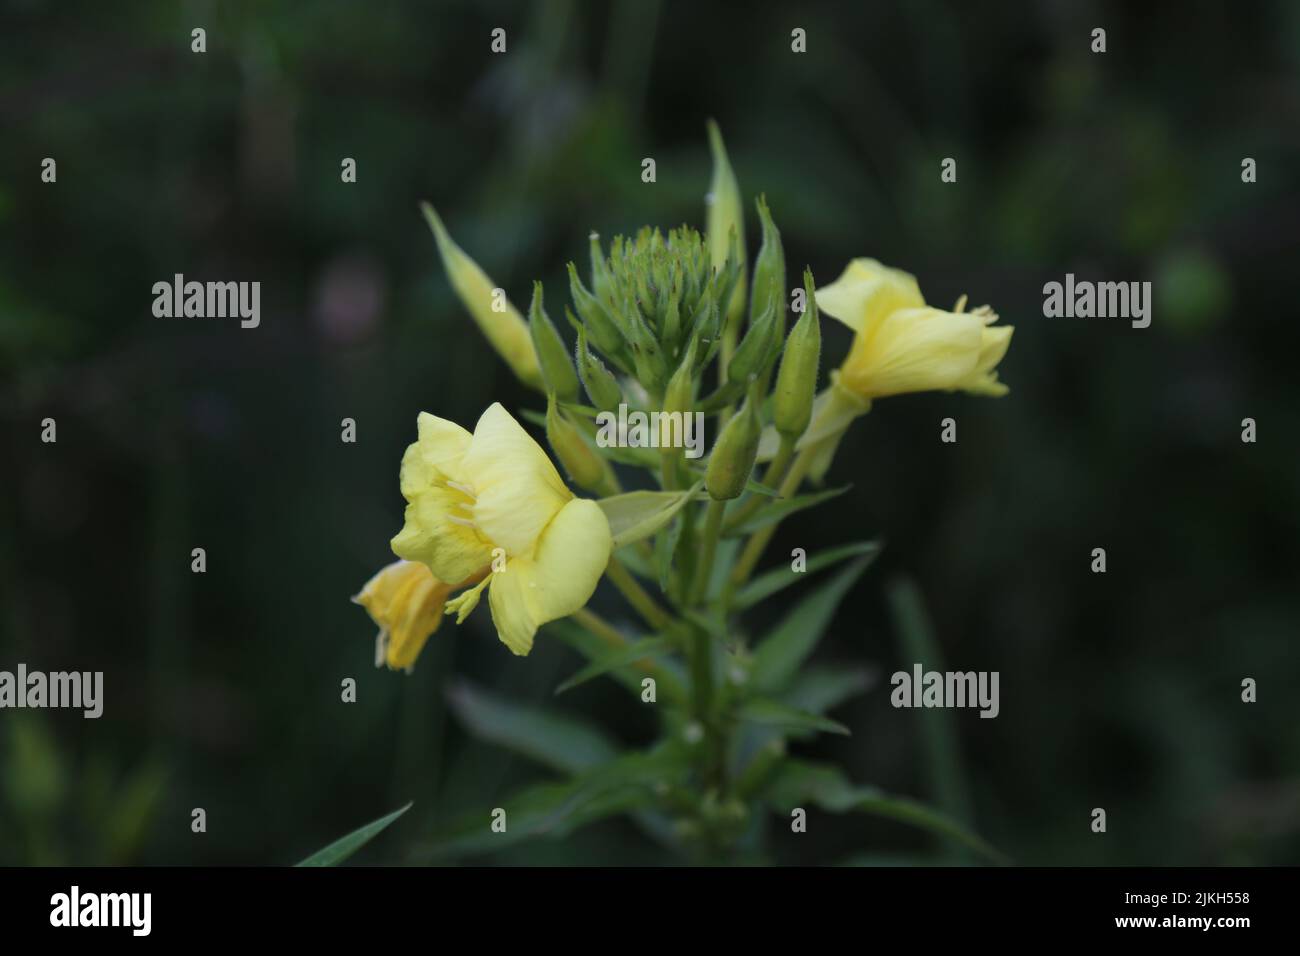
(506, 329)
(405, 600)
(493, 499)
(902, 345)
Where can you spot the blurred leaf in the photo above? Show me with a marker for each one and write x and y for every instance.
(625, 784)
(819, 689)
(765, 585)
(780, 510)
(788, 645)
(640, 514)
(665, 551)
(341, 849)
(634, 652)
(561, 743)
(762, 710)
(826, 787)
(938, 735)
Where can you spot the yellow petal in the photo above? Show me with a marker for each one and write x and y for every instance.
(914, 350)
(993, 347)
(559, 579)
(439, 529)
(517, 489)
(506, 330)
(405, 600)
(867, 292)
(438, 448)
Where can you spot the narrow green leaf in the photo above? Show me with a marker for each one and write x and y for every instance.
(761, 710)
(625, 784)
(917, 645)
(819, 689)
(638, 651)
(640, 514)
(561, 743)
(342, 848)
(765, 585)
(779, 656)
(826, 787)
(781, 509)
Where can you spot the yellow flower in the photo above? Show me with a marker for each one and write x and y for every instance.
(493, 499)
(902, 345)
(405, 600)
(506, 330)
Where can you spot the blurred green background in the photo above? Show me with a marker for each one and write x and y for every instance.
(1119, 691)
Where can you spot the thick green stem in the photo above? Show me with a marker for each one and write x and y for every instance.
(636, 595)
(712, 530)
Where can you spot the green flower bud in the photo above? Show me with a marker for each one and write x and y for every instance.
(600, 324)
(586, 468)
(552, 354)
(725, 212)
(732, 460)
(679, 396)
(601, 283)
(796, 382)
(602, 388)
(506, 330)
(756, 349)
(769, 269)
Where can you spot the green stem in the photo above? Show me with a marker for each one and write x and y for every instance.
(600, 627)
(712, 531)
(636, 595)
(758, 540)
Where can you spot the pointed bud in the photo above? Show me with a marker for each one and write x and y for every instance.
(725, 213)
(506, 331)
(756, 348)
(601, 325)
(732, 460)
(769, 269)
(679, 396)
(552, 354)
(601, 386)
(796, 382)
(586, 468)
(602, 285)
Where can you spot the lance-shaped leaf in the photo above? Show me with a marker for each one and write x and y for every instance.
(782, 509)
(640, 514)
(636, 652)
(797, 783)
(779, 656)
(773, 713)
(344, 847)
(765, 585)
(555, 741)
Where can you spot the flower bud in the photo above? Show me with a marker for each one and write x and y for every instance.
(725, 213)
(600, 323)
(506, 330)
(602, 388)
(796, 382)
(733, 455)
(769, 270)
(552, 354)
(586, 468)
(756, 349)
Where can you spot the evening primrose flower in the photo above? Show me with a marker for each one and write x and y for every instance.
(902, 345)
(405, 600)
(493, 500)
